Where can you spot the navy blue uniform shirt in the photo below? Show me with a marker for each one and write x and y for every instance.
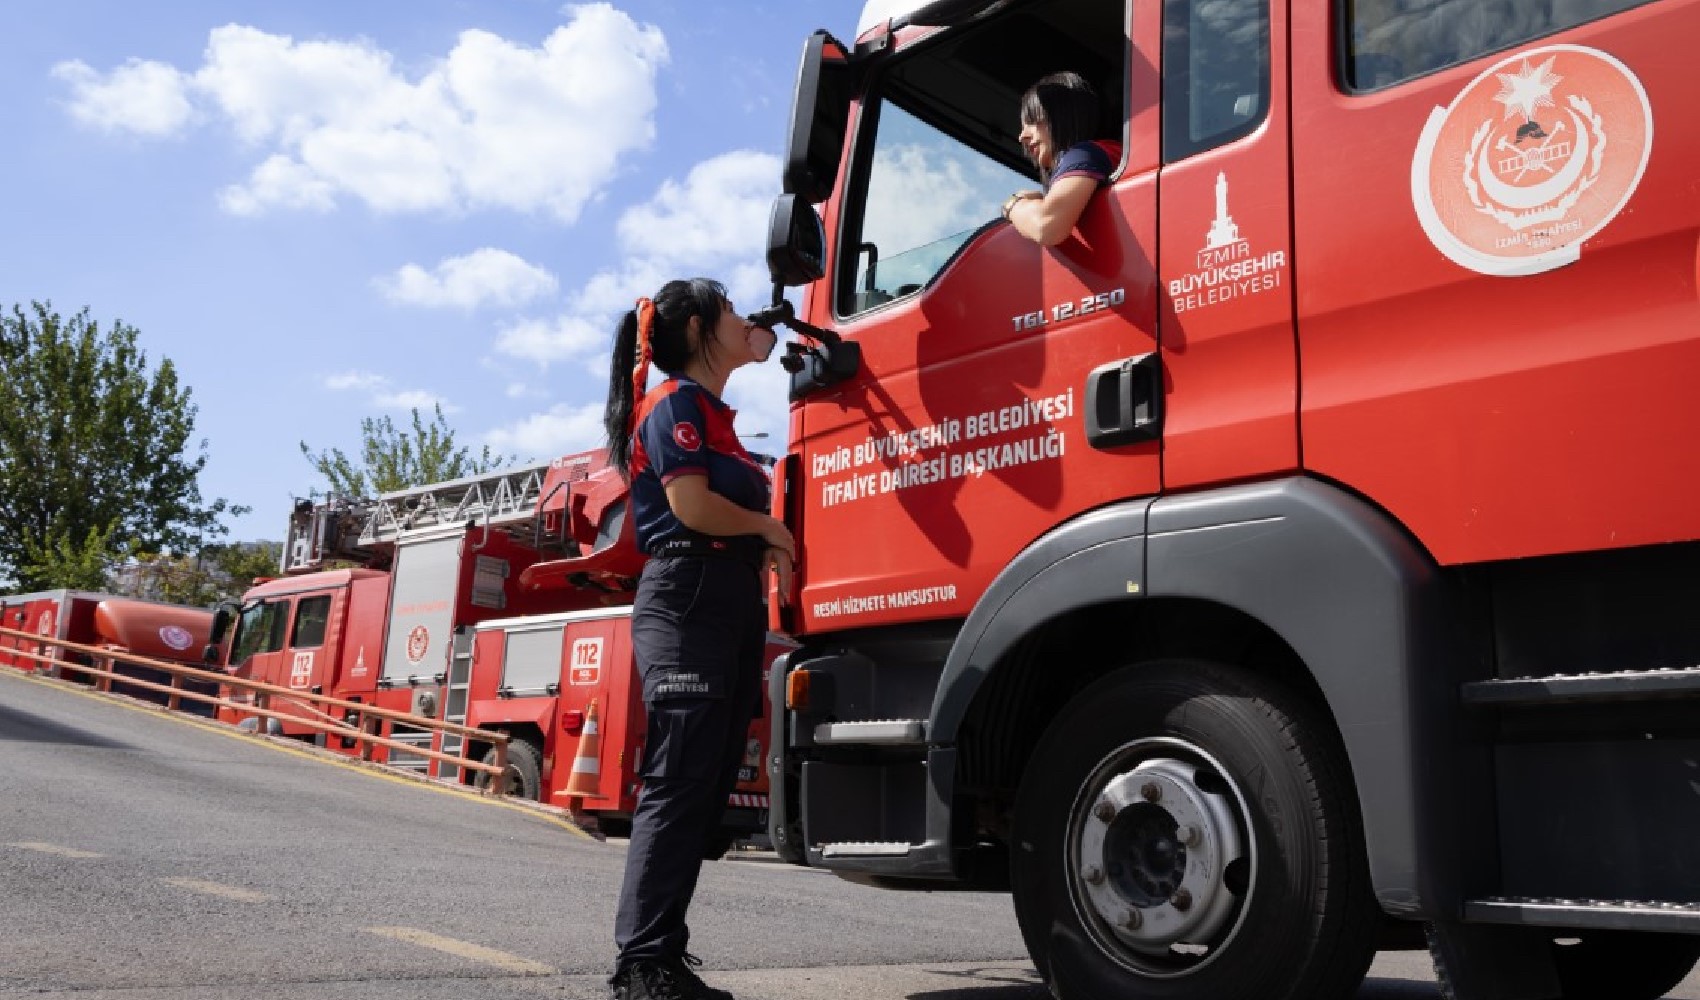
(684, 430)
(1093, 159)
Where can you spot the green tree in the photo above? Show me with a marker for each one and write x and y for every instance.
(218, 572)
(63, 560)
(393, 459)
(96, 460)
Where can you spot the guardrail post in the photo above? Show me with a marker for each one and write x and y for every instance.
(262, 701)
(373, 726)
(498, 785)
(174, 700)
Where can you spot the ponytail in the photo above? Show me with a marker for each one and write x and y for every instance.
(655, 330)
(617, 413)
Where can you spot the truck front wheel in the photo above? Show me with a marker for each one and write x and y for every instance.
(1188, 831)
(523, 776)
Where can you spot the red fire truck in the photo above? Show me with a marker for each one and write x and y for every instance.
(500, 602)
(118, 624)
(1300, 557)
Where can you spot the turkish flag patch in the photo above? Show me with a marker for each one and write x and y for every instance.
(685, 436)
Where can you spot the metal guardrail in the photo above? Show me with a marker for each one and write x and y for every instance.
(370, 718)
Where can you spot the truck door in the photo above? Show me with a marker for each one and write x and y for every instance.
(310, 665)
(425, 588)
(964, 436)
(257, 650)
(1227, 294)
(1495, 229)
(426, 583)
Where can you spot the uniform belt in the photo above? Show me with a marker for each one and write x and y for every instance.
(748, 553)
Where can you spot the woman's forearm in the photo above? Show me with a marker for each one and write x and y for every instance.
(704, 511)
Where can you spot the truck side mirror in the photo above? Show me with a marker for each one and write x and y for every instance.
(796, 243)
(223, 615)
(820, 118)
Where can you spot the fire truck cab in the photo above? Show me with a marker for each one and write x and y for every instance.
(1301, 554)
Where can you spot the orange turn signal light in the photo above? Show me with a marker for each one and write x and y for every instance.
(797, 691)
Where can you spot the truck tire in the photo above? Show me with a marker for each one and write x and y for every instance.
(1623, 965)
(1187, 830)
(524, 774)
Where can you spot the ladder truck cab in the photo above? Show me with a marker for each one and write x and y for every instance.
(500, 602)
(1299, 557)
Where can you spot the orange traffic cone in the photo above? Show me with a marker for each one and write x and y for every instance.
(587, 765)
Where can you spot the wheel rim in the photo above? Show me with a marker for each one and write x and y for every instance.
(1161, 858)
(512, 784)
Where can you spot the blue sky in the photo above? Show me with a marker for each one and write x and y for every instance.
(327, 211)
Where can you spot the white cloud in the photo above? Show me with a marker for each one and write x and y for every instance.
(413, 399)
(354, 380)
(486, 276)
(561, 430)
(720, 209)
(544, 341)
(382, 394)
(149, 98)
(916, 196)
(712, 223)
(494, 124)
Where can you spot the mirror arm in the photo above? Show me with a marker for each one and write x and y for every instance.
(782, 312)
(835, 360)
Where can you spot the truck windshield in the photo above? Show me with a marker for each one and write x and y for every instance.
(927, 193)
(937, 148)
(259, 630)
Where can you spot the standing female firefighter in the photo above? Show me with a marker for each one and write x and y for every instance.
(699, 504)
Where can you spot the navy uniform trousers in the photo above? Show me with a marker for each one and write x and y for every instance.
(699, 630)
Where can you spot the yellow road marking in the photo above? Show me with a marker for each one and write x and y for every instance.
(227, 731)
(64, 852)
(464, 949)
(217, 889)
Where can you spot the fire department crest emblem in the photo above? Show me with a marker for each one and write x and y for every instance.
(418, 641)
(1536, 155)
(176, 637)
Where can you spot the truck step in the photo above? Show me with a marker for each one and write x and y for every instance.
(880, 732)
(866, 849)
(1556, 689)
(1590, 914)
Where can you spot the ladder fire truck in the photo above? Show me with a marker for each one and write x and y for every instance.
(499, 601)
(1301, 556)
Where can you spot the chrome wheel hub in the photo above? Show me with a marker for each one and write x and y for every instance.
(1159, 855)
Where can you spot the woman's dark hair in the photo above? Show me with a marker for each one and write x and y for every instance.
(670, 350)
(1065, 102)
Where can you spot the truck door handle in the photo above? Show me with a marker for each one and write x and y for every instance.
(1124, 401)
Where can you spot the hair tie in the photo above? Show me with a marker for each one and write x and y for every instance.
(640, 367)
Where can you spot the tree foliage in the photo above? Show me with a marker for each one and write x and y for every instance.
(218, 572)
(95, 454)
(392, 459)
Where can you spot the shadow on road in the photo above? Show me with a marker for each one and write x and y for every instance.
(22, 727)
(987, 984)
(1009, 984)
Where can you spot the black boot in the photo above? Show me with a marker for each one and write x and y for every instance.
(647, 979)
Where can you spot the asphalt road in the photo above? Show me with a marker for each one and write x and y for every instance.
(147, 857)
